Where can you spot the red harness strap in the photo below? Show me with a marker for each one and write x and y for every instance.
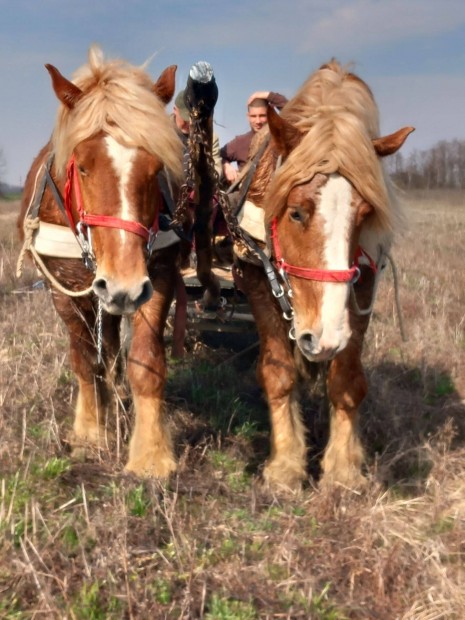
(360, 253)
(319, 275)
(91, 219)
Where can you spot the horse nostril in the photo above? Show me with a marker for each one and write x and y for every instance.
(120, 299)
(100, 287)
(146, 292)
(307, 339)
(308, 342)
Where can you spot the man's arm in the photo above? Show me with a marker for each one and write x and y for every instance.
(227, 153)
(275, 99)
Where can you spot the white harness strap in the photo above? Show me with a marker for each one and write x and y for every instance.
(57, 241)
(252, 220)
(60, 241)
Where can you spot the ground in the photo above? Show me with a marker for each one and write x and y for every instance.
(83, 540)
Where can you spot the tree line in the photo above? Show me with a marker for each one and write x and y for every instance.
(440, 167)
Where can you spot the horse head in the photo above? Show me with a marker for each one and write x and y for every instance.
(112, 136)
(316, 229)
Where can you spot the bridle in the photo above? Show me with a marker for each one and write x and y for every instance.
(81, 228)
(342, 276)
(349, 276)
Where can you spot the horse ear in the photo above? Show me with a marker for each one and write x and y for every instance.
(285, 135)
(67, 92)
(165, 85)
(392, 143)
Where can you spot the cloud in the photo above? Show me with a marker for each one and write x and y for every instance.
(303, 26)
(267, 44)
(352, 26)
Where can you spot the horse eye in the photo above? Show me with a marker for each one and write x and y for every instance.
(82, 170)
(295, 215)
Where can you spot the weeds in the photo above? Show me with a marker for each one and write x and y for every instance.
(81, 540)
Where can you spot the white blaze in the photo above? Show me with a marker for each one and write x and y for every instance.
(122, 158)
(337, 214)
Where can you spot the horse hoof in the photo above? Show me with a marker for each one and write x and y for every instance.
(283, 478)
(97, 437)
(85, 452)
(351, 481)
(152, 468)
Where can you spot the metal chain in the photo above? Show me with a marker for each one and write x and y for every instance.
(234, 229)
(245, 246)
(197, 137)
(181, 213)
(98, 324)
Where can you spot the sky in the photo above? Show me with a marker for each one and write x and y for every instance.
(410, 52)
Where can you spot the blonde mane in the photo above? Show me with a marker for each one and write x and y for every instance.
(117, 99)
(339, 117)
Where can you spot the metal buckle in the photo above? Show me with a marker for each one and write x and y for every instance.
(279, 292)
(151, 242)
(356, 275)
(86, 246)
(285, 279)
(289, 315)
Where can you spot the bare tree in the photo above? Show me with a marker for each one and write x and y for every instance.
(2, 171)
(441, 166)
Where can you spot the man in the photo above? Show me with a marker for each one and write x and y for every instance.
(237, 150)
(181, 119)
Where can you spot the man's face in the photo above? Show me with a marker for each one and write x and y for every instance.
(257, 118)
(181, 124)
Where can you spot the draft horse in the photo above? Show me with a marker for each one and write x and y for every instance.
(329, 217)
(93, 193)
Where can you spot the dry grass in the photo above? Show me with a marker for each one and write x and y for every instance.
(80, 540)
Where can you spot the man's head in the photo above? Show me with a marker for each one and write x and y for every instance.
(256, 114)
(181, 113)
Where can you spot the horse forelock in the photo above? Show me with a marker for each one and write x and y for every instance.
(338, 116)
(118, 100)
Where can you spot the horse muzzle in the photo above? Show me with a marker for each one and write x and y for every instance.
(118, 299)
(318, 349)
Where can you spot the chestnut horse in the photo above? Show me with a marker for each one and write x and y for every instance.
(94, 190)
(329, 220)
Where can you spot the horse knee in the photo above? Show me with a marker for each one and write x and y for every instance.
(146, 373)
(276, 377)
(347, 391)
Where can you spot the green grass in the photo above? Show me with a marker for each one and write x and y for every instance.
(225, 608)
(84, 540)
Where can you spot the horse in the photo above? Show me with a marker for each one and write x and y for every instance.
(90, 218)
(328, 218)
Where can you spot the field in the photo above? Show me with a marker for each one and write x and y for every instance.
(81, 540)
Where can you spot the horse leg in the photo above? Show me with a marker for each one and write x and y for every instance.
(277, 374)
(151, 451)
(346, 388)
(93, 400)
